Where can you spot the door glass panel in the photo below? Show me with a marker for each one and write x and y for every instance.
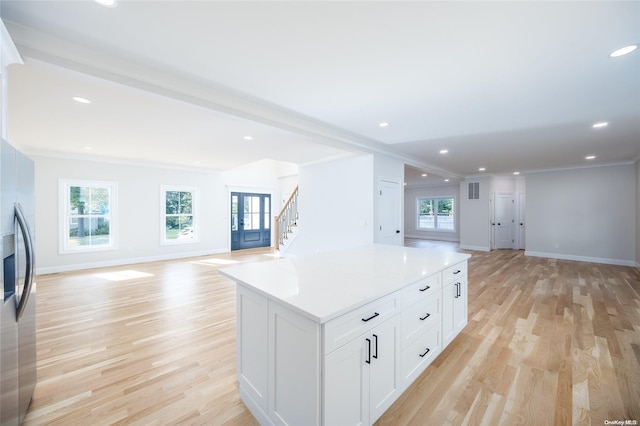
(251, 213)
(234, 212)
(267, 212)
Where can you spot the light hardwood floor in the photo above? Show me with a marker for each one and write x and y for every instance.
(548, 342)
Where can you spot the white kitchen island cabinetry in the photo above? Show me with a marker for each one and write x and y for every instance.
(335, 338)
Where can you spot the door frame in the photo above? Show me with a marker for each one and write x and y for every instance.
(249, 190)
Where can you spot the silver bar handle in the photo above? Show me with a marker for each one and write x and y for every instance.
(28, 246)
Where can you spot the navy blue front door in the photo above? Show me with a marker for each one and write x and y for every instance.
(250, 220)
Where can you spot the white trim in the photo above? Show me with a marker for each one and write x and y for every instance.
(582, 166)
(476, 248)
(128, 261)
(195, 193)
(619, 262)
(432, 237)
(110, 160)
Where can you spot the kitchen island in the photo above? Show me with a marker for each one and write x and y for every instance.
(334, 338)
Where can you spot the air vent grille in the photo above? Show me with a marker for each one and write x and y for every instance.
(474, 190)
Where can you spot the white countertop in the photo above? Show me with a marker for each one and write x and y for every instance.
(325, 285)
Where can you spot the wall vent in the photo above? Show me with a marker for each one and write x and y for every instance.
(474, 190)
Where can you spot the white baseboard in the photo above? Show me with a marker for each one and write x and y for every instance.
(129, 261)
(581, 258)
(424, 237)
(477, 248)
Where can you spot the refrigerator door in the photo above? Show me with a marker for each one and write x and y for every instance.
(9, 388)
(25, 281)
(17, 307)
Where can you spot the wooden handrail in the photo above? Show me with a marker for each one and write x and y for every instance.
(287, 218)
(284, 207)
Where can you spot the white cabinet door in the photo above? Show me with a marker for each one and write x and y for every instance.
(362, 378)
(294, 357)
(346, 384)
(460, 304)
(454, 309)
(251, 344)
(448, 297)
(384, 375)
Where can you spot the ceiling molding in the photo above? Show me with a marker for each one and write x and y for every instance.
(36, 46)
(582, 166)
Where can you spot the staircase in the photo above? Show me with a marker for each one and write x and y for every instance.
(286, 221)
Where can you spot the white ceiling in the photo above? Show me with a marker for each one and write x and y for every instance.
(509, 86)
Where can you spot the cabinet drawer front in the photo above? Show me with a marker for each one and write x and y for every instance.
(421, 289)
(454, 272)
(422, 315)
(420, 354)
(341, 330)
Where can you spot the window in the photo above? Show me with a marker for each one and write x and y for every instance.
(178, 215)
(436, 214)
(88, 221)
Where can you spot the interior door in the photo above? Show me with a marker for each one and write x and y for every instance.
(521, 224)
(389, 209)
(503, 223)
(250, 220)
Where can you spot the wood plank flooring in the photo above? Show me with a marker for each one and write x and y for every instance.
(548, 342)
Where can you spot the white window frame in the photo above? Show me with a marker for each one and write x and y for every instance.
(435, 199)
(163, 216)
(65, 215)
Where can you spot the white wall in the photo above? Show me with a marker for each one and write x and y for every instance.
(411, 196)
(586, 214)
(474, 215)
(335, 205)
(508, 184)
(139, 213)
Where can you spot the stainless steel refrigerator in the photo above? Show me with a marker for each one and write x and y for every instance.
(18, 306)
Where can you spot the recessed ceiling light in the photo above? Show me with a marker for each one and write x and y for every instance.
(482, 169)
(107, 3)
(590, 157)
(81, 100)
(88, 148)
(383, 124)
(249, 138)
(623, 51)
(405, 183)
(516, 173)
(424, 175)
(444, 151)
(446, 180)
(600, 125)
